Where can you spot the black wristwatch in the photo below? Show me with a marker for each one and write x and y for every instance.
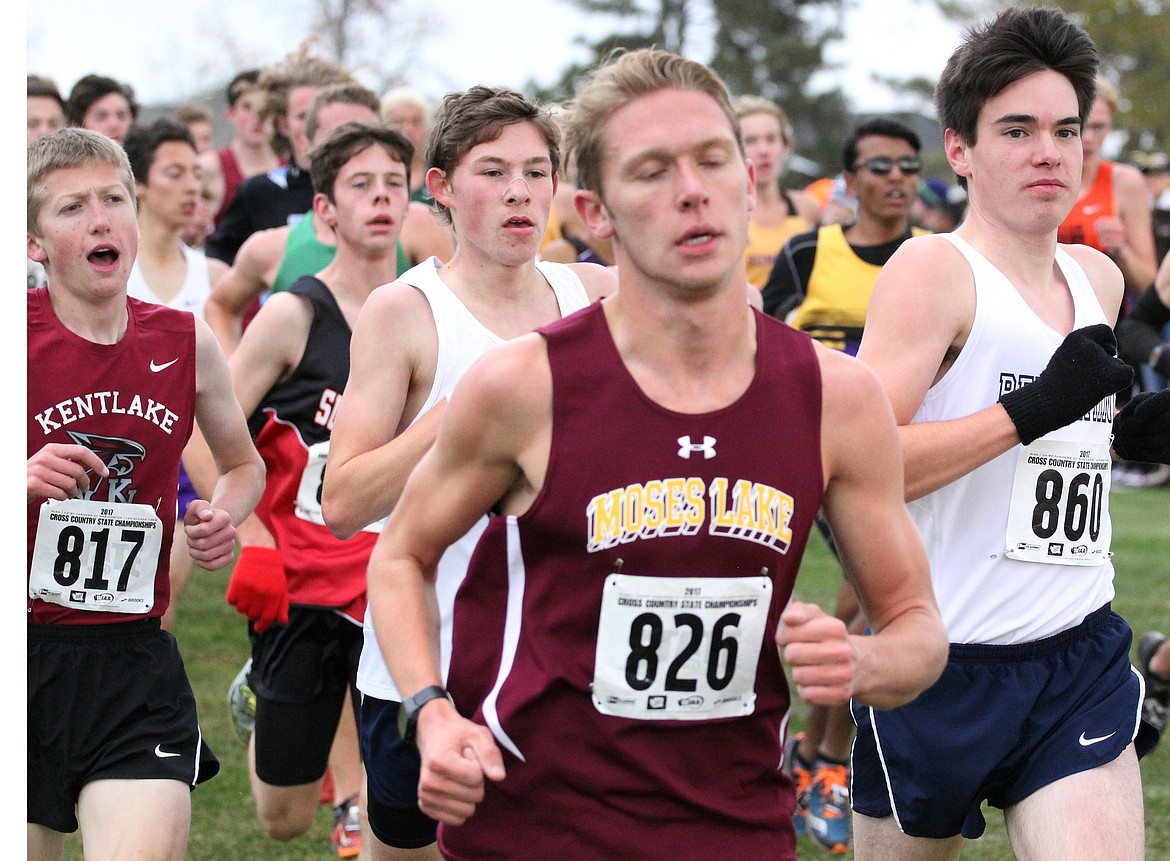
(411, 706)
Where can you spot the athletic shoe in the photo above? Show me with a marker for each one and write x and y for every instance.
(242, 704)
(801, 774)
(1157, 700)
(347, 828)
(829, 824)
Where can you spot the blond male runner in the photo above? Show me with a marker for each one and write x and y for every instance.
(626, 693)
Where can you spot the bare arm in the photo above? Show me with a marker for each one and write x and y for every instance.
(268, 352)
(255, 266)
(943, 306)
(1128, 237)
(373, 446)
(210, 525)
(486, 433)
(864, 498)
(216, 270)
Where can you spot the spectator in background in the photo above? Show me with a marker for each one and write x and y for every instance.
(102, 104)
(1155, 168)
(46, 114)
(271, 260)
(45, 109)
(939, 207)
(197, 119)
(283, 195)
(405, 110)
(778, 214)
(248, 153)
(1112, 213)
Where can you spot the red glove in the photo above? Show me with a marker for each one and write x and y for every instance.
(259, 586)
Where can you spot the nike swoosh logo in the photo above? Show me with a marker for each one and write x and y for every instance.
(162, 754)
(1086, 742)
(157, 367)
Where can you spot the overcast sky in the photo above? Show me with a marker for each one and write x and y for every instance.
(165, 50)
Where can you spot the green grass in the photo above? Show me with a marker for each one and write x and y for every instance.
(214, 644)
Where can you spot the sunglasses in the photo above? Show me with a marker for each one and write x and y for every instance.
(881, 165)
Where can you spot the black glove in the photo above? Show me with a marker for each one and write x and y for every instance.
(1141, 431)
(1082, 372)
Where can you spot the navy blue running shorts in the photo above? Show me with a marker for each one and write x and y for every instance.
(107, 702)
(392, 770)
(1002, 722)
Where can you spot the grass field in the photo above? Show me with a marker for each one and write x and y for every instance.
(214, 644)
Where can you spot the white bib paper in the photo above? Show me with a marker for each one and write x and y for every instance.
(679, 648)
(98, 556)
(1059, 512)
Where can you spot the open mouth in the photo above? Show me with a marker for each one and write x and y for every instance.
(518, 221)
(698, 237)
(104, 256)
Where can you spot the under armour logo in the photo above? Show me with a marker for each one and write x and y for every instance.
(707, 447)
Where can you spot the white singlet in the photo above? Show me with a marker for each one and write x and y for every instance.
(1046, 504)
(462, 340)
(193, 295)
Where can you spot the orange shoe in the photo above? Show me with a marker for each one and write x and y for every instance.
(347, 828)
(829, 824)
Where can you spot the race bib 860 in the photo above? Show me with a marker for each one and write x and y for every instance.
(1060, 504)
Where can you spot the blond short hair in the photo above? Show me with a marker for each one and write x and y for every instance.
(1108, 93)
(746, 106)
(618, 82)
(69, 148)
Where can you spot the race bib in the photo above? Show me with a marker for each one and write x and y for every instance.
(1059, 510)
(679, 648)
(308, 502)
(97, 556)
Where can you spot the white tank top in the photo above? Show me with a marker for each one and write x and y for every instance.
(194, 292)
(462, 340)
(1060, 483)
